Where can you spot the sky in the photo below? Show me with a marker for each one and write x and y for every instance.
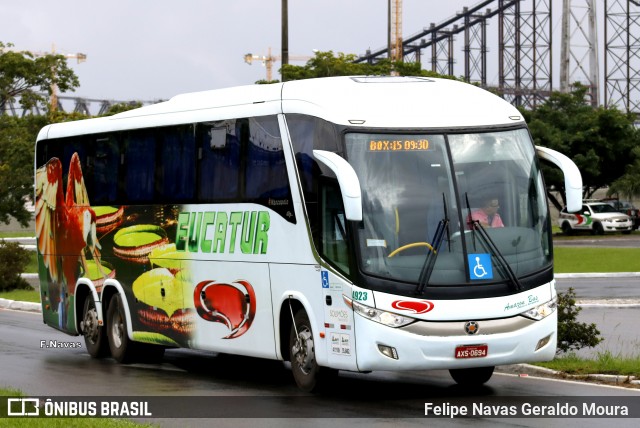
(155, 49)
(151, 50)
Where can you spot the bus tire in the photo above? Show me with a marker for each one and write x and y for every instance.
(95, 337)
(475, 376)
(122, 348)
(309, 376)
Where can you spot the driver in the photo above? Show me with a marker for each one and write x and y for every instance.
(488, 215)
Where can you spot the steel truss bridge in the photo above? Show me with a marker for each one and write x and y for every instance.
(523, 61)
(82, 105)
(524, 58)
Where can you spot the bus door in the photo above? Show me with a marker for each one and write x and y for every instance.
(335, 249)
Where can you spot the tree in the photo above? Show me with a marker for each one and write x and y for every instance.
(17, 140)
(122, 107)
(24, 76)
(629, 184)
(572, 334)
(327, 64)
(599, 140)
(28, 77)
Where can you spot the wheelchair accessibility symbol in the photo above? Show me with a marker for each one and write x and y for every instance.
(480, 266)
(325, 279)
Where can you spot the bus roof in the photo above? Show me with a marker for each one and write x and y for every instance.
(365, 101)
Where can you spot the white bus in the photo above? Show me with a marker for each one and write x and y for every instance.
(335, 223)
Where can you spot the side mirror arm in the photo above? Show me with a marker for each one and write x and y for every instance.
(347, 180)
(572, 176)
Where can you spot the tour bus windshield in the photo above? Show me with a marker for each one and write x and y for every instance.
(484, 189)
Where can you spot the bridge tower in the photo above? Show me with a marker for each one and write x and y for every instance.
(622, 54)
(579, 47)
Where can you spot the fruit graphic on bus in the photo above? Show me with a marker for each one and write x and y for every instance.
(232, 304)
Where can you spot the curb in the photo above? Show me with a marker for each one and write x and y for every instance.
(523, 370)
(20, 306)
(598, 275)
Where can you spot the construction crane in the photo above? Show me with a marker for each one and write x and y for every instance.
(80, 57)
(269, 59)
(395, 30)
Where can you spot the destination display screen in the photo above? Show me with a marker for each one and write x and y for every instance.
(400, 145)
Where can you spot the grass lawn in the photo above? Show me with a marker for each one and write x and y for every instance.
(604, 363)
(26, 233)
(29, 295)
(585, 259)
(32, 267)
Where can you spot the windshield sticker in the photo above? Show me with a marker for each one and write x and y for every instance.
(480, 266)
(376, 243)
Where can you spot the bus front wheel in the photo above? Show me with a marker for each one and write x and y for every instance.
(309, 376)
(472, 377)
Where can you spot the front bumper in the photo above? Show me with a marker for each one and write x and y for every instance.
(431, 345)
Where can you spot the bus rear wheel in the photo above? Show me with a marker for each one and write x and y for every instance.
(475, 376)
(122, 348)
(95, 337)
(309, 376)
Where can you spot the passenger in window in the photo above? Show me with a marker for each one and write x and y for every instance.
(488, 215)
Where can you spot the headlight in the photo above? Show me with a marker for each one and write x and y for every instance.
(383, 317)
(541, 311)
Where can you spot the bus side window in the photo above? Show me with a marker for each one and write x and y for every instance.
(309, 133)
(102, 171)
(266, 170)
(219, 158)
(139, 164)
(176, 180)
(334, 242)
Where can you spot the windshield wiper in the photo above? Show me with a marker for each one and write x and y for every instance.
(490, 245)
(436, 242)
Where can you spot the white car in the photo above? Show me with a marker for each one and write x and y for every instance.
(598, 217)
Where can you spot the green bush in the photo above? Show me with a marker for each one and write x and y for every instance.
(573, 335)
(13, 261)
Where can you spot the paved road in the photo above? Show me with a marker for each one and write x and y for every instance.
(379, 399)
(585, 240)
(611, 288)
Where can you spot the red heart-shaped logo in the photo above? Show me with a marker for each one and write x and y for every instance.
(233, 305)
(415, 306)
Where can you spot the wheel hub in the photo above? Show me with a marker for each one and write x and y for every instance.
(90, 325)
(117, 331)
(303, 351)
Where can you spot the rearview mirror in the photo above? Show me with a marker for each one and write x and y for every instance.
(572, 176)
(347, 180)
